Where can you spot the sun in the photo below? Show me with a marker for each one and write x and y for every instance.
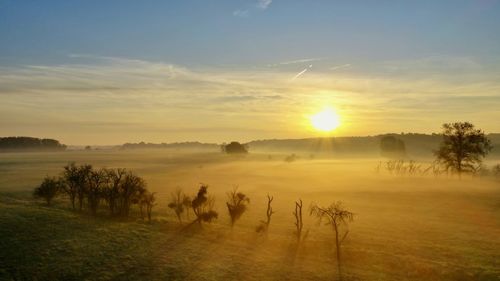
(326, 120)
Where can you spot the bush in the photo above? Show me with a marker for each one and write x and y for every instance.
(203, 206)
(48, 189)
(236, 205)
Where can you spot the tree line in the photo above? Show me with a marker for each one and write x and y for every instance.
(29, 143)
(88, 188)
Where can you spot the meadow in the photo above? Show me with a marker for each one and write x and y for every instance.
(405, 227)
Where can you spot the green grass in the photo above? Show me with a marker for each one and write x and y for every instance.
(406, 228)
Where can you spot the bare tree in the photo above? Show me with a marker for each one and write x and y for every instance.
(48, 189)
(177, 203)
(336, 216)
(298, 219)
(264, 225)
(236, 205)
(463, 147)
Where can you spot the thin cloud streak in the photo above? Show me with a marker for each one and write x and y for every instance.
(301, 73)
(340, 66)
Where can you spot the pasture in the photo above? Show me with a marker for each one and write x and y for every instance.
(405, 227)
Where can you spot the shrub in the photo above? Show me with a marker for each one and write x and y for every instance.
(203, 206)
(236, 205)
(48, 189)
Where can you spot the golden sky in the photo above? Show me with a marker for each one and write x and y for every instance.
(108, 100)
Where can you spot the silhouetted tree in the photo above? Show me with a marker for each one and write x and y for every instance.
(177, 203)
(298, 219)
(235, 148)
(96, 183)
(84, 174)
(236, 205)
(111, 191)
(462, 147)
(264, 225)
(391, 146)
(131, 190)
(71, 182)
(75, 182)
(48, 189)
(336, 216)
(147, 200)
(203, 206)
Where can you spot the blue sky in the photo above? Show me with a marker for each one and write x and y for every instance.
(212, 32)
(150, 66)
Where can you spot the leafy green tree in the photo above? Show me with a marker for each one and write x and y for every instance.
(48, 189)
(463, 147)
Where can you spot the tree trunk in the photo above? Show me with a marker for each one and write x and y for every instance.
(337, 244)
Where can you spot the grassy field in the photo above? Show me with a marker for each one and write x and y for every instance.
(405, 228)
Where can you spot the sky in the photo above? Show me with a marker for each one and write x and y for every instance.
(110, 72)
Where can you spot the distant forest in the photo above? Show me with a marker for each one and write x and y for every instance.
(416, 145)
(8, 144)
(197, 146)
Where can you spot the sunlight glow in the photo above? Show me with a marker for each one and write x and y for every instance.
(326, 120)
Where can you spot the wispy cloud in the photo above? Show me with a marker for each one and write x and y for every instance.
(161, 99)
(340, 66)
(264, 4)
(299, 61)
(240, 13)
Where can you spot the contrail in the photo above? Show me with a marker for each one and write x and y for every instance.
(302, 72)
(340, 66)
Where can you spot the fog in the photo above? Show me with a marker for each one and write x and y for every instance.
(410, 227)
